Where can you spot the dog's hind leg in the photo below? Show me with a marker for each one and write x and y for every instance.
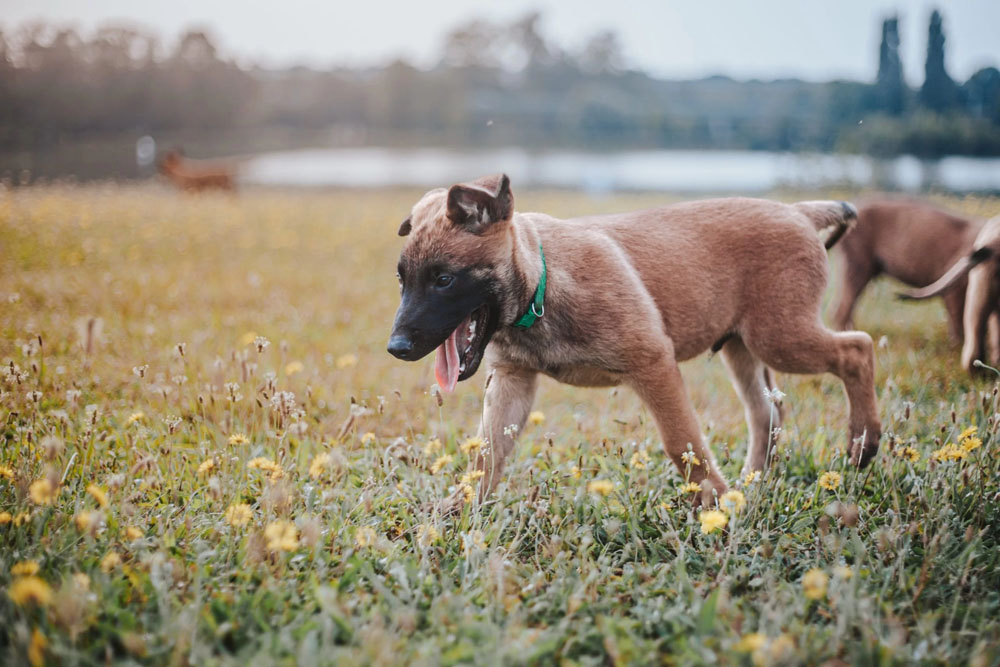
(660, 385)
(806, 346)
(751, 379)
(510, 393)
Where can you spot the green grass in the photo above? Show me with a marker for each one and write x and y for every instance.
(98, 282)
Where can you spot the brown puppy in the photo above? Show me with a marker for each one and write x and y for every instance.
(621, 299)
(195, 175)
(912, 241)
(977, 274)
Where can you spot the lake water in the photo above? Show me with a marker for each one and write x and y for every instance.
(664, 170)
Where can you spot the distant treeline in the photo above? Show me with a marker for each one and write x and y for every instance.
(495, 85)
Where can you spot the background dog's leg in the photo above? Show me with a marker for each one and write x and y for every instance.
(509, 395)
(749, 378)
(661, 386)
(808, 347)
(855, 275)
(978, 306)
(954, 304)
(993, 344)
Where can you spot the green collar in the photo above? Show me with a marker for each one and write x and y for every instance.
(537, 307)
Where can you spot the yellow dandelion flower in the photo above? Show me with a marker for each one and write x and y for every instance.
(689, 457)
(690, 487)
(432, 447)
(6, 472)
(365, 537)
(971, 443)
(24, 568)
(468, 493)
(949, 452)
(473, 444)
(135, 418)
(843, 572)
(30, 589)
(732, 502)
(968, 433)
(712, 520)
(98, 494)
(238, 514)
(319, 465)
(830, 480)
(133, 533)
(427, 535)
(85, 520)
(814, 584)
(206, 467)
(471, 476)
(110, 561)
(346, 361)
(367, 438)
(639, 460)
(750, 642)
(22, 518)
(294, 367)
(5, 518)
(36, 648)
(43, 492)
(238, 439)
(601, 487)
(81, 581)
(751, 477)
(266, 465)
(536, 417)
(575, 472)
(282, 535)
(440, 462)
(908, 453)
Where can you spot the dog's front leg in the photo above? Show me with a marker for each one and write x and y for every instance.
(510, 391)
(661, 387)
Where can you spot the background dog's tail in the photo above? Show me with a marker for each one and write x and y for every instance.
(832, 218)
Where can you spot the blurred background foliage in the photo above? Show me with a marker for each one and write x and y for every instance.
(495, 84)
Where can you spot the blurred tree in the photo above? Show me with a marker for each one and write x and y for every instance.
(602, 54)
(939, 92)
(982, 94)
(890, 86)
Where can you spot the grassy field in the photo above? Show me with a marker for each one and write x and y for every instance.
(209, 458)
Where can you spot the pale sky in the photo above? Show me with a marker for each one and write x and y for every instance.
(669, 38)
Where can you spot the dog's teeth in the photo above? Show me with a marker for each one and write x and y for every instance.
(461, 368)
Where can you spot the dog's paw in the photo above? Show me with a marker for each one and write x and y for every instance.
(864, 447)
(712, 489)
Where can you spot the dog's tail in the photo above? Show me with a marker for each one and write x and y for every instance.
(833, 218)
(958, 271)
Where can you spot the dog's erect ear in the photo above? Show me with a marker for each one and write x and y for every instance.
(481, 203)
(404, 227)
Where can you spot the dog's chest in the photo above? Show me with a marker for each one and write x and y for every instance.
(562, 361)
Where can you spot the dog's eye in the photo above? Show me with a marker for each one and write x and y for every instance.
(444, 280)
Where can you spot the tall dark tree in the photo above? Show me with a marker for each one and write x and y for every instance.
(939, 92)
(890, 86)
(982, 94)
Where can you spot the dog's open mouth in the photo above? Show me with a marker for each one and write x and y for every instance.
(459, 356)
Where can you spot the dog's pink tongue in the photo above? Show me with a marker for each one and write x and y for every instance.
(446, 363)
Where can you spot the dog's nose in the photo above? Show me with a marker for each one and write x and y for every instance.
(400, 346)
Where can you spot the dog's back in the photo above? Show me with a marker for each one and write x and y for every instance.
(910, 240)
